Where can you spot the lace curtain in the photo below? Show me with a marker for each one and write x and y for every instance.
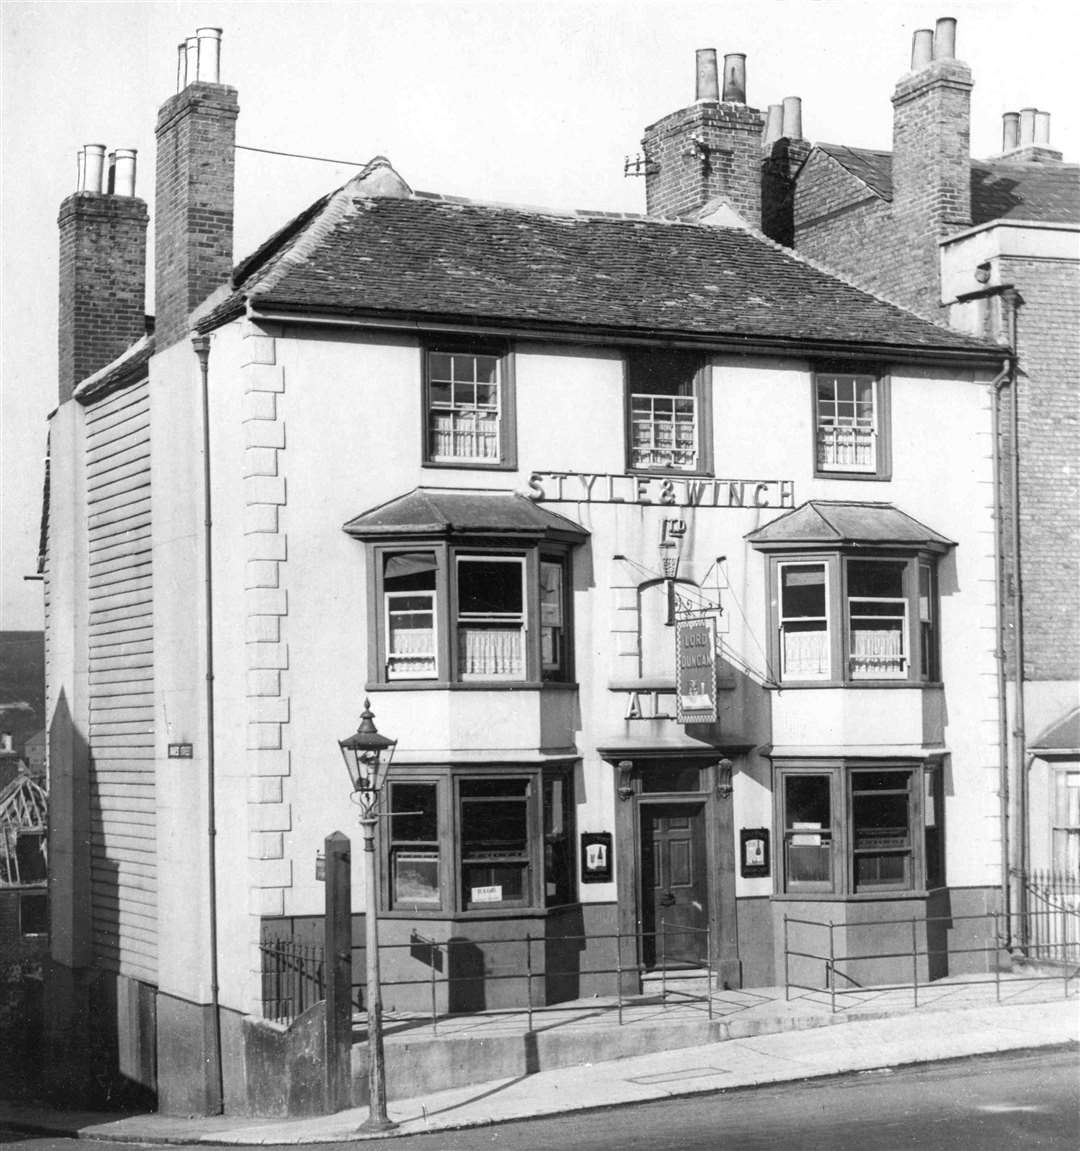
(490, 653)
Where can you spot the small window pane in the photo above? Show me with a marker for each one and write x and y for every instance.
(33, 914)
(558, 841)
(881, 829)
(846, 423)
(807, 830)
(414, 849)
(490, 587)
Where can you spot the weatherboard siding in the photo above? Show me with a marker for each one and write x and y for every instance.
(120, 644)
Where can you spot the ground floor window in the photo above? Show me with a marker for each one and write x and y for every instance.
(859, 828)
(1067, 820)
(482, 839)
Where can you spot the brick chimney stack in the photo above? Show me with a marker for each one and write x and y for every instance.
(102, 308)
(708, 150)
(193, 230)
(931, 167)
(785, 152)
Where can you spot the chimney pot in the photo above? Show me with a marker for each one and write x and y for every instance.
(1010, 131)
(945, 39)
(209, 55)
(1042, 127)
(191, 63)
(80, 169)
(93, 168)
(922, 48)
(181, 66)
(735, 78)
(1027, 127)
(124, 172)
(708, 83)
(793, 117)
(774, 125)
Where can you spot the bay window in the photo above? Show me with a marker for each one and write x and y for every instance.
(848, 619)
(460, 614)
(852, 829)
(460, 840)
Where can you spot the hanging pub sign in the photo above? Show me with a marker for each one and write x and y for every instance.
(695, 669)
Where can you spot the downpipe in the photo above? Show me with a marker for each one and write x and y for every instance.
(201, 347)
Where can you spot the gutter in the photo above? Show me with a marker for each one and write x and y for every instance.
(988, 357)
(201, 346)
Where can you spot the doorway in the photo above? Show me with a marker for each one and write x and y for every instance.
(674, 885)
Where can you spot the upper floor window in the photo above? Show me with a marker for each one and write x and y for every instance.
(668, 425)
(468, 407)
(842, 618)
(851, 425)
(470, 615)
(1067, 820)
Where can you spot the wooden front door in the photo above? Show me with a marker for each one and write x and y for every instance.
(675, 891)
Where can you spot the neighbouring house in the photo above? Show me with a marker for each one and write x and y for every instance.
(651, 543)
(24, 919)
(992, 247)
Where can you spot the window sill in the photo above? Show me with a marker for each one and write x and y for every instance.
(864, 897)
(471, 465)
(875, 684)
(703, 473)
(473, 685)
(472, 916)
(872, 477)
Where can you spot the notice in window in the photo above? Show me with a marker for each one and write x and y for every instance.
(801, 838)
(491, 894)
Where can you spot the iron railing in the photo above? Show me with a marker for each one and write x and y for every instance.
(292, 978)
(835, 965)
(1054, 929)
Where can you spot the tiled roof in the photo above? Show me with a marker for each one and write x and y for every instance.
(835, 523)
(441, 512)
(1064, 735)
(420, 257)
(1000, 189)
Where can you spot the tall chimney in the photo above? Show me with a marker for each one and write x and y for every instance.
(707, 150)
(102, 280)
(785, 152)
(193, 233)
(931, 167)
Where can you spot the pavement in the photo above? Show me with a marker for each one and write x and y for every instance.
(872, 1030)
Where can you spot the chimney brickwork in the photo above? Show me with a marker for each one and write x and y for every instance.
(102, 306)
(708, 150)
(931, 176)
(193, 232)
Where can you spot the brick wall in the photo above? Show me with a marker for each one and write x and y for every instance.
(102, 307)
(1048, 346)
(701, 152)
(193, 230)
(778, 172)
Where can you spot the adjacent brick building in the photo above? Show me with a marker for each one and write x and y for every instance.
(990, 246)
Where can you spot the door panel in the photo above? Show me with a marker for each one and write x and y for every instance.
(675, 895)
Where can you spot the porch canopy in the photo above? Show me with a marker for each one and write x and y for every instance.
(463, 512)
(838, 523)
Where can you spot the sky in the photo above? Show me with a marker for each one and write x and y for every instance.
(501, 100)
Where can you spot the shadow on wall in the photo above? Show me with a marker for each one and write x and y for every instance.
(99, 1035)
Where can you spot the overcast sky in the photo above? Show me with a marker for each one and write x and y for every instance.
(508, 100)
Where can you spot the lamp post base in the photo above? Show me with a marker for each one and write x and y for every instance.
(375, 1125)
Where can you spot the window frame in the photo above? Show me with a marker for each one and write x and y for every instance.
(448, 782)
(503, 352)
(924, 778)
(700, 390)
(881, 468)
(530, 553)
(919, 663)
(1064, 831)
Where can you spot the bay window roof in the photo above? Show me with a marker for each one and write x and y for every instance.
(442, 512)
(838, 523)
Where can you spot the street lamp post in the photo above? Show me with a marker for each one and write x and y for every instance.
(367, 756)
